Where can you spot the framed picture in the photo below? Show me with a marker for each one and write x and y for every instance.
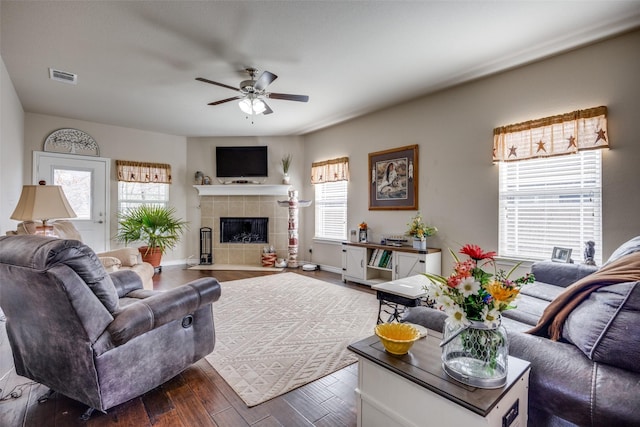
(561, 254)
(393, 184)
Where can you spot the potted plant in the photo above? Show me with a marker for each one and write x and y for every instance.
(157, 226)
(420, 231)
(286, 163)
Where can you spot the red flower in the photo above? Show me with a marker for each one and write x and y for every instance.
(476, 253)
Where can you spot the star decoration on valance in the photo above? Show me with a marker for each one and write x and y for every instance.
(512, 151)
(572, 142)
(601, 136)
(541, 147)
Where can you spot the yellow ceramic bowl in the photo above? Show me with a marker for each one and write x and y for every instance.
(397, 338)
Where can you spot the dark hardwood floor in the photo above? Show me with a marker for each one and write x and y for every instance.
(196, 397)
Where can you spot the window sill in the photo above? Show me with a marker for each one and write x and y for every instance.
(326, 241)
(524, 262)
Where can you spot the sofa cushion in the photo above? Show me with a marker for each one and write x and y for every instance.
(543, 291)
(528, 309)
(86, 264)
(110, 263)
(559, 273)
(127, 256)
(626, 248)
(606, 326)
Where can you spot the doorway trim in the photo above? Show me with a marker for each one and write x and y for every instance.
(37, 155)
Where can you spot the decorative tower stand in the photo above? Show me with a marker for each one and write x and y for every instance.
(293, 229)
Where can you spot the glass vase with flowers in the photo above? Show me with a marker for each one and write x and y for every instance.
(475, 347)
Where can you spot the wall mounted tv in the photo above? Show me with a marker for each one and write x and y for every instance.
(238, 162)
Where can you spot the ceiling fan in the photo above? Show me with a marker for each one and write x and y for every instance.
(253, 92)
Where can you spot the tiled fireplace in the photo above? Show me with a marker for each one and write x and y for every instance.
(243, 209)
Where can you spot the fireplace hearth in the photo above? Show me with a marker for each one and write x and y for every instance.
(244, 230)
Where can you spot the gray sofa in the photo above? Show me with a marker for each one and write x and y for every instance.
(96, 337)
(591, 376)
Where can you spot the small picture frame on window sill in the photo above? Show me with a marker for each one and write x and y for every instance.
(561, 254)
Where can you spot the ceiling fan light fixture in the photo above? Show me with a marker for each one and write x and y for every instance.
(258, 106)
(252, 106)
(252, 93)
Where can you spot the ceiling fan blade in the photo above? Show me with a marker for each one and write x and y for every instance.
(289, 97)
(267, 109)
(222, 101)
(265, 79)
(217, 84)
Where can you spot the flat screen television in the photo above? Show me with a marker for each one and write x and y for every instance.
(238, 162)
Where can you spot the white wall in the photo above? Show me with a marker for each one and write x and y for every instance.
(119, 143)
(11, 149)
(458, 184)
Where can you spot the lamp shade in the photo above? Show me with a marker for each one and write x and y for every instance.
(42, 202)
(252, 106)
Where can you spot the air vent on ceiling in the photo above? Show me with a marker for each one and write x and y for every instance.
(63, 76)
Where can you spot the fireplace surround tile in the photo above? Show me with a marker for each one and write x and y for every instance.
(214, 207)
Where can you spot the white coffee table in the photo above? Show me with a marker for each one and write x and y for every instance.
(399, 294)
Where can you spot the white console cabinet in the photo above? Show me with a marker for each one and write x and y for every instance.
(359, 262)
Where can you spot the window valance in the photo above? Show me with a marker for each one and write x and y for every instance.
(552, 136)
(332, 170)
(143, 172)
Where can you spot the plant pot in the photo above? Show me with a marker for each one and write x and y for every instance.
(420, 244)
(286, 179)
(153, 255)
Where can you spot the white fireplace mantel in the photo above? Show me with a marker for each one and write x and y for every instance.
(243, 190)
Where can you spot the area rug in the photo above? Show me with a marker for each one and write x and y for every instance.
(234, 267)
(276, 333)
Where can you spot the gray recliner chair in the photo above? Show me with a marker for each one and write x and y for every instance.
(96, 337)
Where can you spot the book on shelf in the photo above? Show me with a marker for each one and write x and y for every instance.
(385, 259)
(376, 262)
(381, 258)
(373, 257)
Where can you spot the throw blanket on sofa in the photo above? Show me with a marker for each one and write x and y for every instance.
(625, 269)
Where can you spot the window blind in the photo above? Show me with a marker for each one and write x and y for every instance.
(133, 194)
(331, 210)
(547, 202)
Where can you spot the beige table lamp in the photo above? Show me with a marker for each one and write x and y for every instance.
(42, 203)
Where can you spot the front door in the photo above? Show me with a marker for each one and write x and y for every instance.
(85, 181)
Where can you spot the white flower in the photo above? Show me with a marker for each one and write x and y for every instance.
(458, 316)
(434, 291)
(490, 317)
(446, 303)
(468, 286)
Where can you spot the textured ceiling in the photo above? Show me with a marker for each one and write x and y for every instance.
(137, 60)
